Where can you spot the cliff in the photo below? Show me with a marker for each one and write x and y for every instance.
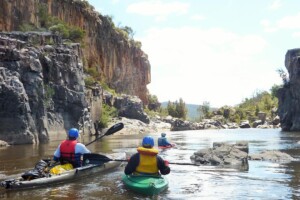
(120, 63)
(289, 94)
(41, 87)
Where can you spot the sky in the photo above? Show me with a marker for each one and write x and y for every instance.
(216, 51)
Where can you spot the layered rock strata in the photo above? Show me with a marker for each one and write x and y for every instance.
(119, 59)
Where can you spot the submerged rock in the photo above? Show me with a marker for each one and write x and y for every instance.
(275, 156)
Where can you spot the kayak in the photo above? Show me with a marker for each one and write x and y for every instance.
(92, 164)
(166, 147)
(145, 184)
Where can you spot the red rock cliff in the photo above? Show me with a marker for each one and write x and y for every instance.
(123, 65)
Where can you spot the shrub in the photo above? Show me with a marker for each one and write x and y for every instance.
(89, 81)
(61, 29)
(93, 72)
(76, 34)
(107, 114)
(49, 93)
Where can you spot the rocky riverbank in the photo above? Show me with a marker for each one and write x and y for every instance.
(134, 126)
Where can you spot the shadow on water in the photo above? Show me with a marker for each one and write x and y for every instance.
(262, 179)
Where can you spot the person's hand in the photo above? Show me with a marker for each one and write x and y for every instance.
(166, 163)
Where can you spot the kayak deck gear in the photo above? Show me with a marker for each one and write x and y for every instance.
(92, 164)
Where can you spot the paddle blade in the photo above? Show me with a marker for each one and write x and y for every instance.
(110, 131)
(114, 128)
(93, 158)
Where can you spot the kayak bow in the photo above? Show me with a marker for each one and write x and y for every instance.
(145, 184)
(166, 147)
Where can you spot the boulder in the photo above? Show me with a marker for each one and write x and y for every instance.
(235, 155)
(131, 107)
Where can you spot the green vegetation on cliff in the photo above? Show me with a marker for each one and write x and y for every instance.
(53, 24)
(250, 108)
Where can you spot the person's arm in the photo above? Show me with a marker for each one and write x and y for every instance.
(167, 142)
(163, 168)
(56, 155)
(81, 148)
(132, 164)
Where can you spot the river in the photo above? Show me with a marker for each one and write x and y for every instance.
(263, 179)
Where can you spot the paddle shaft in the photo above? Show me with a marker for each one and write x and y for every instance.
(173, 163)
(110, 131)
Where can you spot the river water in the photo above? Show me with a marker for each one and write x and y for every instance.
(263, 179)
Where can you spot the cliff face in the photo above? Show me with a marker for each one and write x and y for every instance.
(41, 87)
(124, 66)
(289, 95)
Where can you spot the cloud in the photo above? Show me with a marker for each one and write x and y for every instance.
(267, 26)
(296, 35)
(198, 17)
(200, 65)
(275, 5)
(158, 8)
(289, 22)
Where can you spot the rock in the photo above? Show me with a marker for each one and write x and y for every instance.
(257, 123)
(275, 156)
(131, 107)
(245, 124)
(34, 86)
(224, 154)
(262, 116)
(119, 59)
(134, 126)
(3, 144)
(232, 125)
(276, 120)
(289, 94)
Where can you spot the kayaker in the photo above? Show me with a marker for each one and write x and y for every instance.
(70, 150)
(147, 160)
(163, 141)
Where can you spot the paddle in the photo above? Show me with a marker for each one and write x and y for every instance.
(110, 131)
(106, 159)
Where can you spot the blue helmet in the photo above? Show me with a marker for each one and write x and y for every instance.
(163, 135)
(73, 132)
(148, 142)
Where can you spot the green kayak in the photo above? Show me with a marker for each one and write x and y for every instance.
(144, 184)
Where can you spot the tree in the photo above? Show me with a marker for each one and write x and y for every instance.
(153, 103)
(181, 110)
(284, 76)
(128, 30)
(205, 108)
(177, 109)
(171, 109)
(274, 90)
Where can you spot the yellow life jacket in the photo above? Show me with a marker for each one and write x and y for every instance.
(148, 161)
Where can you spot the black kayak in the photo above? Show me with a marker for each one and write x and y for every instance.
(93, 164)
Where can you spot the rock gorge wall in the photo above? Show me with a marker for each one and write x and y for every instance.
(41, 87)
(289, 94)
(123, 65)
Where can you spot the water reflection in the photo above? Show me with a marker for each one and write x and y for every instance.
(262, 180)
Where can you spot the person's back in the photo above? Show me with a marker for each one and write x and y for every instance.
(146, 161)
(162, 141)
(70, 150)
